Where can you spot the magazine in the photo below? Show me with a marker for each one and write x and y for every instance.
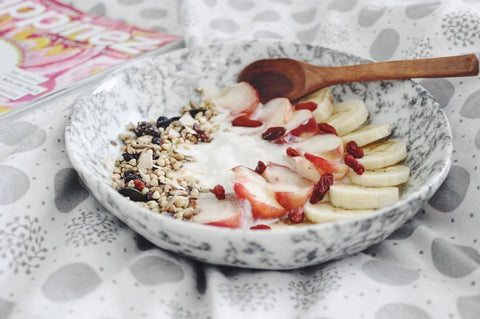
(47, 46)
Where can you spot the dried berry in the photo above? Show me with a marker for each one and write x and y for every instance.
(130, 177)
(273, 133)
(201, 135)
(260, 226)
(163, 121)
(127, 157)
(354, 150)
(157, 140)
(139, 184)
(296, 215)
(311, 106)
(149, 196)
(350, 161)
(261, 167)
(194, 113)
(321, 188)
(246, 122)
(129, 172)
(218, 191)
(133, 193)
(292, 152)
(146, 128)
(327, 128)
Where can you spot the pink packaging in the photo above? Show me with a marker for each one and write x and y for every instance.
(46, 46)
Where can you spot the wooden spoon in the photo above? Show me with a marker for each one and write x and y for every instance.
(294, 79)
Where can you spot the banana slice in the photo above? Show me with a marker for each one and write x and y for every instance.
(389, 176)
(325, 212)
(357, 197)
(368, 134)
(383, 153)
(324, 100)
(348, 116)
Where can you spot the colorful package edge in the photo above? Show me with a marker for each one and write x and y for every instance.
(47, 46)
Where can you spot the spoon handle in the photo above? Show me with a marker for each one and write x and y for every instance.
(462, 65)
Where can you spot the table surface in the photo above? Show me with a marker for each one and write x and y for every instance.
(62, 255)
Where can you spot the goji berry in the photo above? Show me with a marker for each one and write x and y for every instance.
(354, 164)
(261, 167)
(218, 191)
(273, 133)
(139, 184)
(261, 226)
(311, 106)
(292, 152)
(321, 188)
(327, 128)
(354, 149)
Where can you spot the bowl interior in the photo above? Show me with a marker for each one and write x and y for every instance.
(161, 85)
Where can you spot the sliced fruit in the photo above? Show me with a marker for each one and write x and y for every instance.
(324, 100)
(289, 188)
(276, 112)
(280, 173)
(301, 125)
(305, 168)
(222, 213)
(252, 187)
(389, 176)
(298, 117)
(238, 98)
(348, 116)
(383, 153)
(323, 166)
(368, 134)
(357, 197)
(328, 146)
(291, 196)
(306, 129)
(325, 212)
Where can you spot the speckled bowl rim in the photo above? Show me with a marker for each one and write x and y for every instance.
(423, 192)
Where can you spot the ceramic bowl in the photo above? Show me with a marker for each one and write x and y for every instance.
(160, 85)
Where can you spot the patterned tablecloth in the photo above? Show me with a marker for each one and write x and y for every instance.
(63, 256)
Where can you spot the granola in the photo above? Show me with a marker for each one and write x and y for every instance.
(145, 172)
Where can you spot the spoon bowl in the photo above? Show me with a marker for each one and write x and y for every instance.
(293, 79)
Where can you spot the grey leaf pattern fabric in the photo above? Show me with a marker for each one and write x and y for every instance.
(62, 255)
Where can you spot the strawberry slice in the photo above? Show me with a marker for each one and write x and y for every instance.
(225, 213)
(289, 188)
(275, 112)
(301, 125)
(246, 122)
(240, 98)
(252, 187)
(306, 129)
(305, 168)
(324, 166)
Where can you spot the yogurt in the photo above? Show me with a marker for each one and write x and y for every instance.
(231, 146)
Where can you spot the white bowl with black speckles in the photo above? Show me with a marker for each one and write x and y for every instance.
(160, 85)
